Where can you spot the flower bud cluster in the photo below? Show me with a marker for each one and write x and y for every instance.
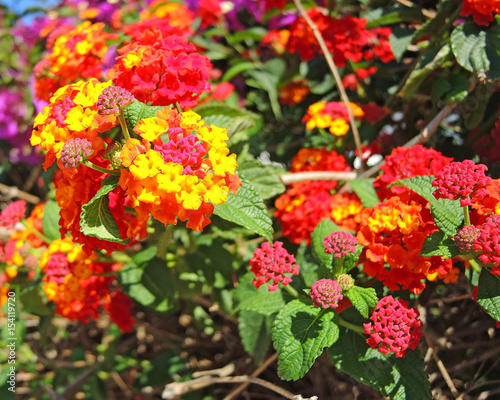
(113, 99)
(75, 151)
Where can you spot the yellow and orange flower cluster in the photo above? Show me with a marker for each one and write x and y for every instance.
(77, 54)
(182, 177)
(80, 286)
(332, 115)
(393, 233)
(72, 113)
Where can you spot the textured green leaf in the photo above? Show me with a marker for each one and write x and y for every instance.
(247, 209)
(488, 293)
(255, 333)
(264, 302)
(150, 283)
(50, 220)
(459, 89)
(447, 214)
(322, 230)
(439, 244)
(365, 191)
(300, 333)
(352, 259)
(96, 218)
(224, 116)
(477, 49)
(364, 299)
(398, 378)
(137, 111)
(263, 178)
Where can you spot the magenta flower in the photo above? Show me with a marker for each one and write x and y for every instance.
(75, 151)
(113, 99)
(488, 243)
(271, 264)
(464, 181)
(340, 244)
(12, 214)
(394, 327)
(326, 293)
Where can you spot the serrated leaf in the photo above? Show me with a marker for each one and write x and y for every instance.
(150, 283)
(263, 178)
(447, 214)
(318, 235)
(50, 220)
(398, 378)
(364, 299)
(488, 293)
(477, 49)
(365, 191)
(247, 209)
(300, 333)
(137, 111)
(439, 244)
(352, 259)
(255, 333)
(96, 218)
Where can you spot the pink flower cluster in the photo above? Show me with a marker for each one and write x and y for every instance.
(340, 244)
(272, 263)
(112, 99)
(464, 181)
(326, 293)
(394, 327)
(465, 238)
(488, 242)
(12, 214)
(75, 151)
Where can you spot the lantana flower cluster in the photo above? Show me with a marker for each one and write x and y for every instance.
(307, 203)
(77, 54)
(483, 11)
(162, 70)
(80, 286)
(394, 328)
(332, 115)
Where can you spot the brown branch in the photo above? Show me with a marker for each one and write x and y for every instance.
(288, 179)
(334, 70)
(172, 390)
(13, 191)
(255, 374)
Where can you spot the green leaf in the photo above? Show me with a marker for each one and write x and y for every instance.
(439, 244)
(475, 104)
(224, 116)
(364, 299)
(263, 301)
(150, 283)
(96, 218)
(488, 293)
(398, 378)
(405, 14)
(247, 209)
(432, 60)
(322, 230)
(263, 178)
(400, 39)
(300, 333)
(32, 300)
(352, 259)
(137, 111)
(476, 49)
(238, 69)
(255, 333)
(365, 191)
(267, 81)
(447, 214)
(459, 89)
(50, 220)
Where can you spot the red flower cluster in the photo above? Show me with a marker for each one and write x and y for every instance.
(464, 181)
(350, 81)
(482, 10)
(12, 214)
(326, 293)
(406, 163)
(307, 203)
(340, 244)
(162, 69)
(394, 327)
(272, 263)
(488, 243)
(347, 39)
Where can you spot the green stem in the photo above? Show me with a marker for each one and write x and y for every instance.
(36, 233)
(353, 327)
(466, 215)
(101, 169)
(292, 291)
(177, 105)
(123, 123)
(475, 265)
